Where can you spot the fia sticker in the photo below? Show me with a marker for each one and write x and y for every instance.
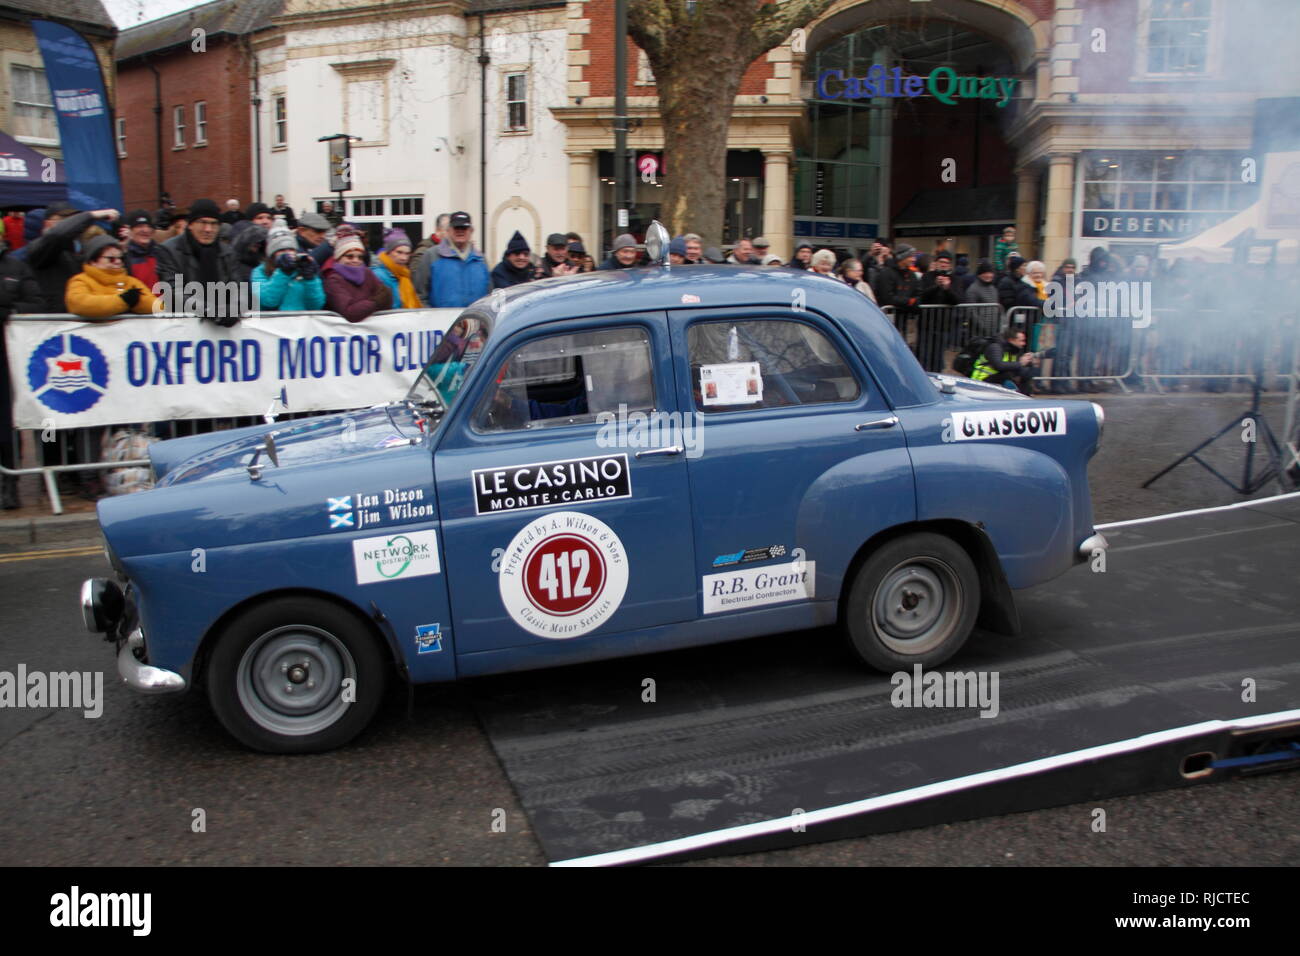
(688, 299)
(396, 557)
(428, 638)
(753, 554)
(563, 575)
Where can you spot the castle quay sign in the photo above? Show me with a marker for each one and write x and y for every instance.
(943, 84)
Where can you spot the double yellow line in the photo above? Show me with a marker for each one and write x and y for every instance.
(82, 551)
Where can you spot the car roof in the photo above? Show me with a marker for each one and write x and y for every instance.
(680, 290)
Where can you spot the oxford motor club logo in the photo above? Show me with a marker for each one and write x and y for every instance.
(563, 575)
(67, 373)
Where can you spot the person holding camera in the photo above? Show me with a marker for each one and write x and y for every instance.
(288, 280)
(1005, 362)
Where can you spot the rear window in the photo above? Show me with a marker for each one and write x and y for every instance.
(766, 363)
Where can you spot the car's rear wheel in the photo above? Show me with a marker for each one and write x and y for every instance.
(913, 601)
(296, 675)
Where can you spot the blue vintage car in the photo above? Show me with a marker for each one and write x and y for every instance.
(590, 467)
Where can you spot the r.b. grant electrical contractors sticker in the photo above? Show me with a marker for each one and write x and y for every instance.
(563, 575)
(972, 426)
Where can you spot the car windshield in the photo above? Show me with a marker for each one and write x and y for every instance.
(441, 380)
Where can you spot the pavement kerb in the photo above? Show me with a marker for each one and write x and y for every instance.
(51, 529)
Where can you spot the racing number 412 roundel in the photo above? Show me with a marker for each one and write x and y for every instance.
(563, 575)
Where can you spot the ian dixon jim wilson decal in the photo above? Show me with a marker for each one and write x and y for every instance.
(563, 575)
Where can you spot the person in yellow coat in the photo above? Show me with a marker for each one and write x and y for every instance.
(104, 288)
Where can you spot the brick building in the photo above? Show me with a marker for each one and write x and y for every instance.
(184, 104)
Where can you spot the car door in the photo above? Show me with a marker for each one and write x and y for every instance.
(803, 458)
(558, 527)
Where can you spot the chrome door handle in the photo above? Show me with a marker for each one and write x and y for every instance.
(666, 450)
(889, 422)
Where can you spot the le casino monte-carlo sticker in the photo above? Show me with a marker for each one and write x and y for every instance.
(549, 483)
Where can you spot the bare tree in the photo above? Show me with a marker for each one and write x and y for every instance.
(699, 53)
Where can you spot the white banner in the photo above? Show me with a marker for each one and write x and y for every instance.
(68, 373)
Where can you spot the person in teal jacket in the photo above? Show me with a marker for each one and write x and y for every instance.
(287, 281)
(459, 274)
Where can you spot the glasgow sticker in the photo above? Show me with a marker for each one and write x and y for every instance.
(563, 575)
(396, 557)
(972, 426)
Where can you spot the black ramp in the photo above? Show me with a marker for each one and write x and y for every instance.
(1189, 611)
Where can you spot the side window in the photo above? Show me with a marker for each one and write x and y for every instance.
(766, 363)
(570, 379)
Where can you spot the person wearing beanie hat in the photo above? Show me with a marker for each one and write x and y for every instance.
(199, 255)
(287, 280)
(677, 252)
(984, 289)
(394, 269)
(351, 289)
(802, 260)
(714, 255)
(897, 284)
(624, 254)
(104, 288)
(257, 214)
(516, 265)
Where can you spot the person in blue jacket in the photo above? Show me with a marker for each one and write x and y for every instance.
(288, 281)
(459, 274)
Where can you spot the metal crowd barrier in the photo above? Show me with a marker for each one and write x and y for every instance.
(1092, 349)
(1212, 346)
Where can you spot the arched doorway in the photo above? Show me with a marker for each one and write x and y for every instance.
(908, 116)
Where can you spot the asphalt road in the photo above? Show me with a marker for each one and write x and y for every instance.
(124, 788)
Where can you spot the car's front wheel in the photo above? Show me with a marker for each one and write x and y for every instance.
(296, 675)
(913, 601)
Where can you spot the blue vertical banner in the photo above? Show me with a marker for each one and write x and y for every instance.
(85, 122)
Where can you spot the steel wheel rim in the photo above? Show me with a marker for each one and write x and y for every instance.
(916, 606)
(290, 680)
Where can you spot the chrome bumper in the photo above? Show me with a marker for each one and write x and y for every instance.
(145, 678)
(1090, 544)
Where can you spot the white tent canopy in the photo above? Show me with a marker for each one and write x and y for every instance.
(1215, 243)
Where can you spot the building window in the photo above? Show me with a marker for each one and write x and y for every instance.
(33, 114)
(516, 101)
(367, 207)
(1177, 36)
(200, 123)
(178, 125)
(408, 207)
(405, 213)
(121, 138)
(280, 135)
(365, 99)
(1160, 196)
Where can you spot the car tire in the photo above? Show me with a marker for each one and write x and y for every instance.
(276, 676)
(913, 601)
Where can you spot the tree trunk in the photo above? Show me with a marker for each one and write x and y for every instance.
(699, 56)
